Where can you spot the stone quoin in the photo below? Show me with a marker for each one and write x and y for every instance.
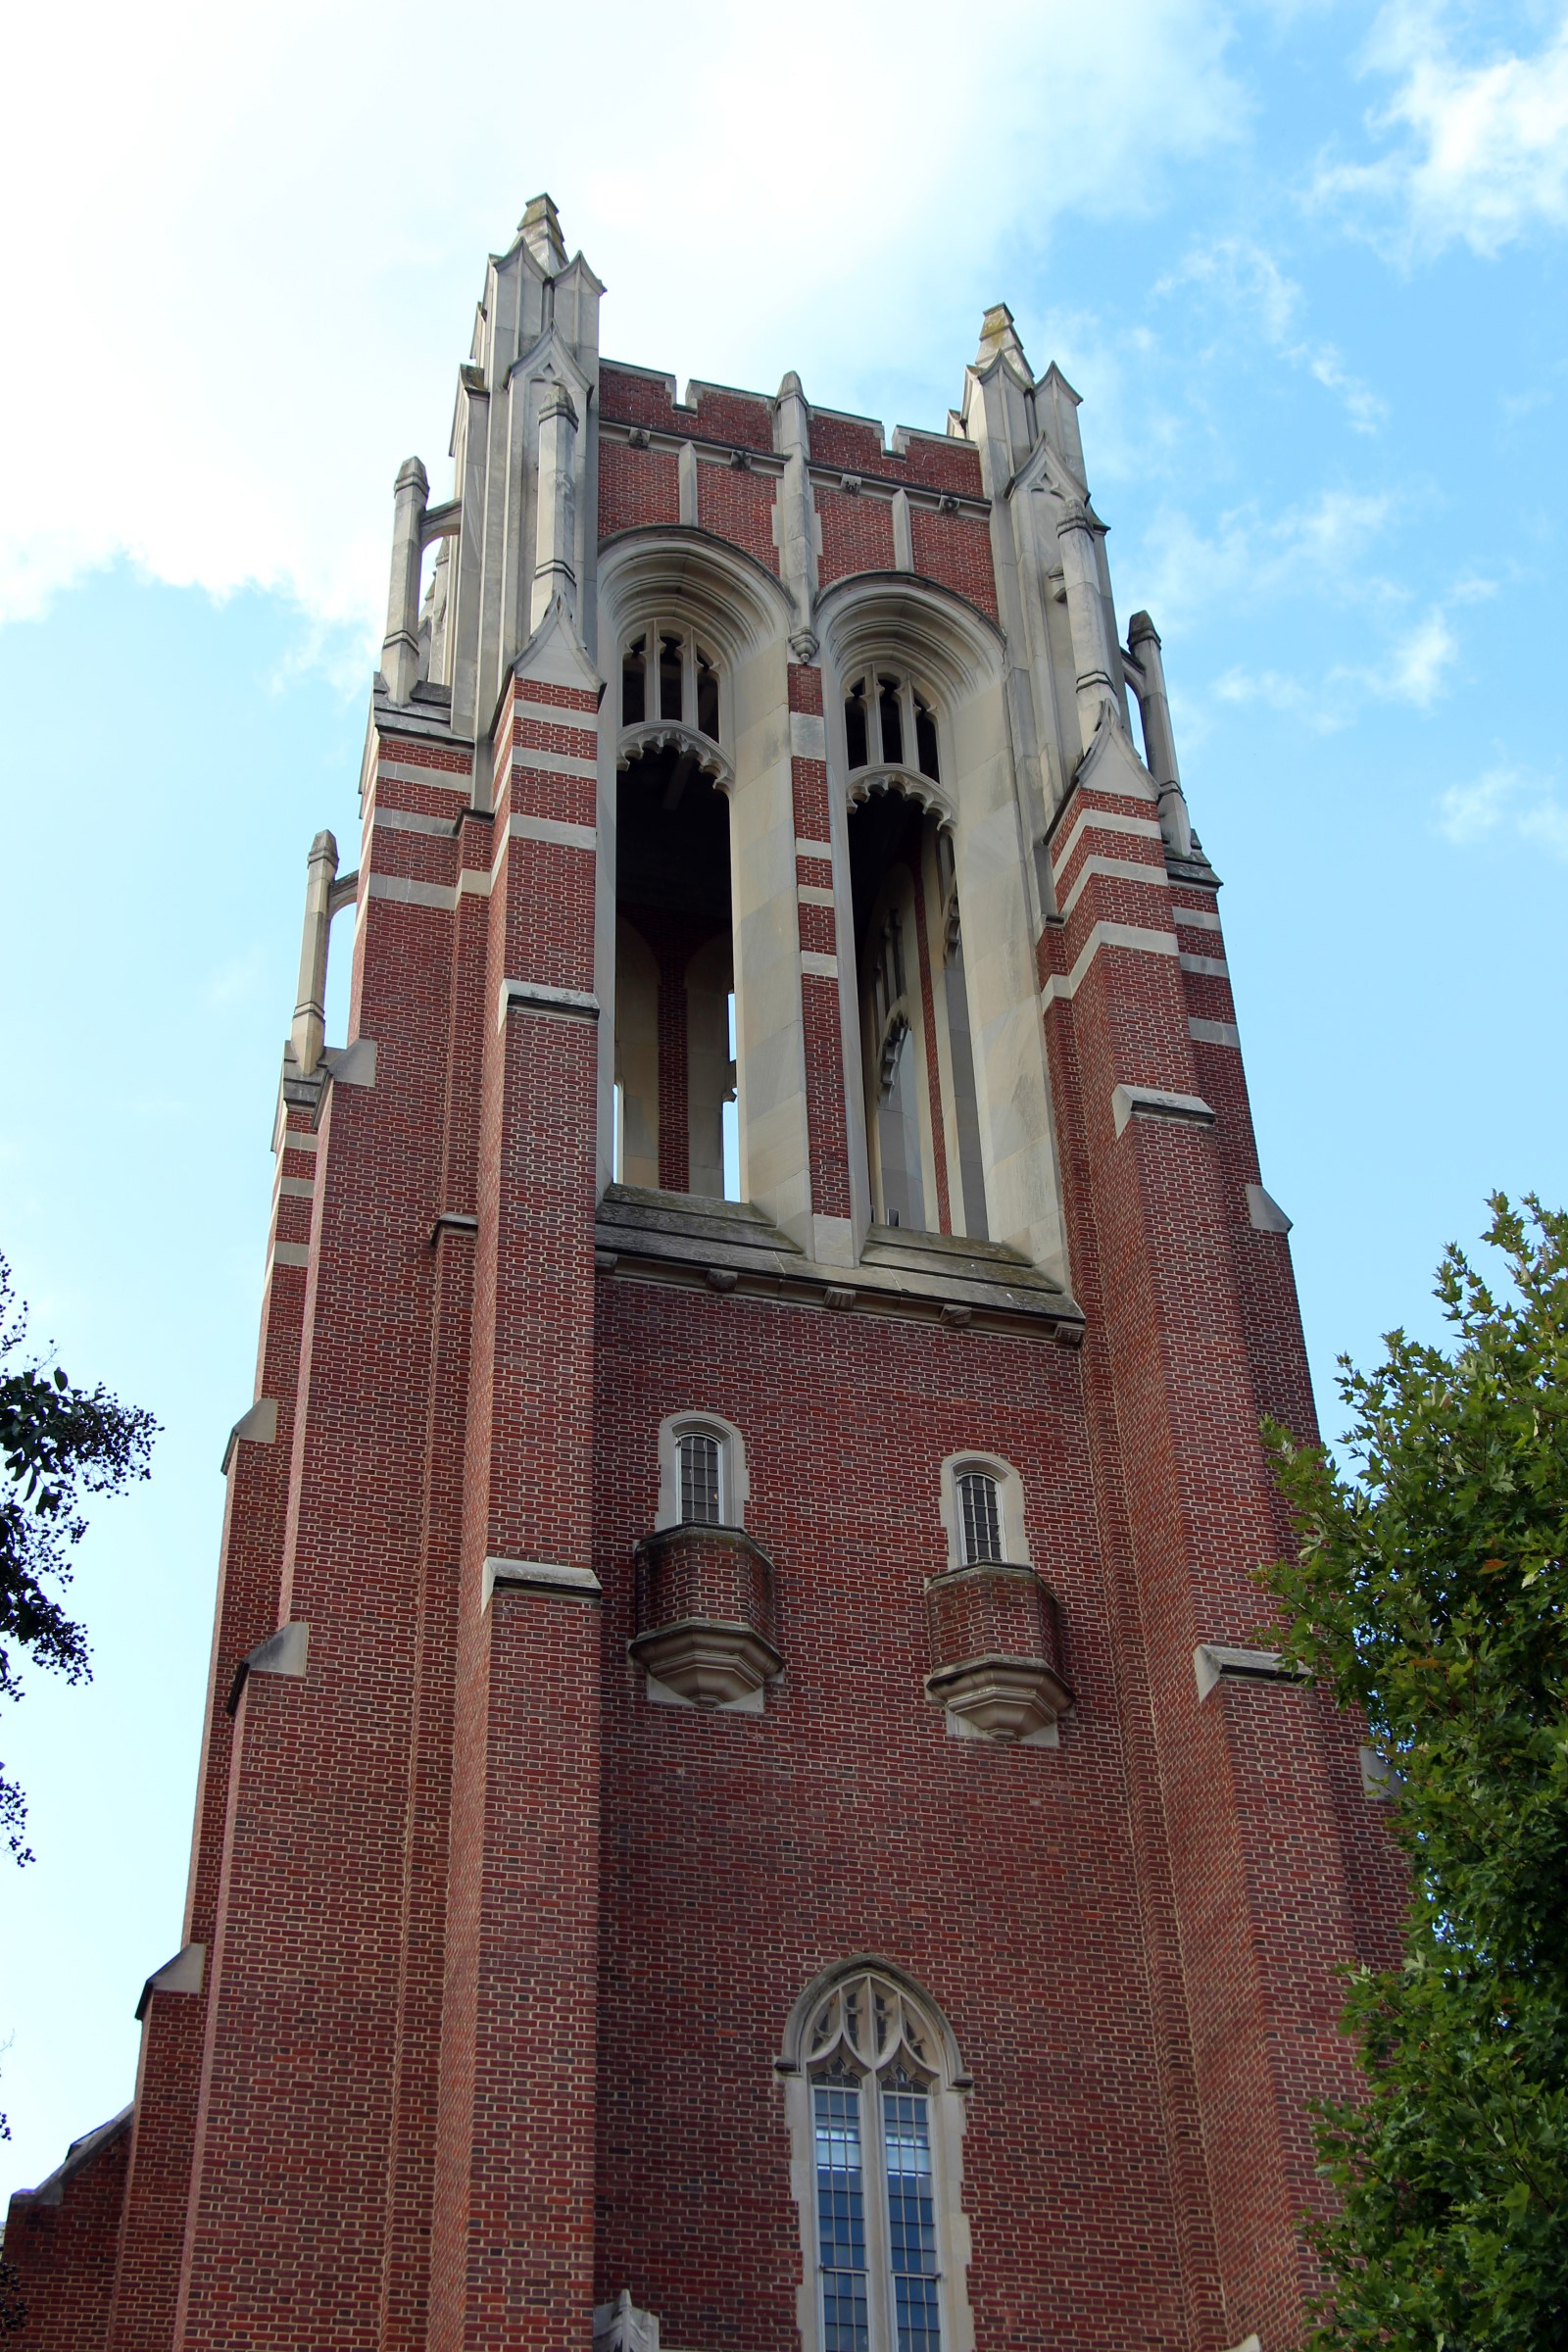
(744, 1803)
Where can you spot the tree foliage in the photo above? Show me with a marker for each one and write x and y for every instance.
(58, 1443)
(1431, 1591)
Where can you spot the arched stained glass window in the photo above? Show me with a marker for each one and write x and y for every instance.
(877, 2073)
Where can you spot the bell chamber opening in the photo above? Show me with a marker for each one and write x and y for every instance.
(921, 1126)
(675, 979)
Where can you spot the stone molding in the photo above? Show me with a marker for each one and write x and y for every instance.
(532, 996)
(285, 1652)
(539, 1576)
(1218, 1661)
(1153, 1102)
(186, 1972)
(258, 1426)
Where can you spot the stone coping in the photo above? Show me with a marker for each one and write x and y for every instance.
(734, 1248)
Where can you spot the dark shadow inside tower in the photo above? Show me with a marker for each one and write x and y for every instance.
(922, 1125)
(674, 976)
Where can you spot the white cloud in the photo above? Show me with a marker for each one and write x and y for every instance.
(1514, 803)
(1480, 152)
(241, 304)
(1248, 279)
(1321, 545)
(1414, 670)
(1418, 665)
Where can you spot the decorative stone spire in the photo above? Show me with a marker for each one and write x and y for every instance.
(998, 335)
(540, 230)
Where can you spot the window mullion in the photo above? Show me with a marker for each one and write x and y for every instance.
(881, 2318)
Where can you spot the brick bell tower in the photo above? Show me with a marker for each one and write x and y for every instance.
(742, 1795)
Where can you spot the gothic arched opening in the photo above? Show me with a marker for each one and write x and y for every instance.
(674, 1065)
(922, 1125)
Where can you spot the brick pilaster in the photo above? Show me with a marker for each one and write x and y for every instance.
(1243, 1869)
(300, 2063)
(514, 2222)
(158, 2181)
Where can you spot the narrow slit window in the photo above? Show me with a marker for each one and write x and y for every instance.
(856, 735)
(925, 741)
(701, 1478)
(634, 683)
(669, 677)
(707, 697)
(892, 723)
(979, 1518)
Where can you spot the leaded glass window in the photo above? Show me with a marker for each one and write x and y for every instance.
(872, 2065)
(702, 1477)
(841, 2212)
(979, 1517)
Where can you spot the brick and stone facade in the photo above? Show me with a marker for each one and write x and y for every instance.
(758, 806)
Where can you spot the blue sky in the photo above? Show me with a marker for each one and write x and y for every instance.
(1304, 264)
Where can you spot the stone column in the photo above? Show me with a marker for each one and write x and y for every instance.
(399, 651)
(1147, 673)
(554, 572)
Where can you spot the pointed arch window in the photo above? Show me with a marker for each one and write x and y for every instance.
(878, 2103)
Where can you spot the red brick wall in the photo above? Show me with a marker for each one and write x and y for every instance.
(61, 2248)
(629, 398)
(955, 551)
(738, 505)
(636, 486)
(853, 442)
(742, 1854)
(856, 534)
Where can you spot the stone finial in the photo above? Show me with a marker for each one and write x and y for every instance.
(308, 1033)
(400, 650)
(1145, 670)
(998, 334)
(619, 2326)
(540, 230)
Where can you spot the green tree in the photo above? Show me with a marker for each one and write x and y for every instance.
(57, 1445)
(1431, 1591)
